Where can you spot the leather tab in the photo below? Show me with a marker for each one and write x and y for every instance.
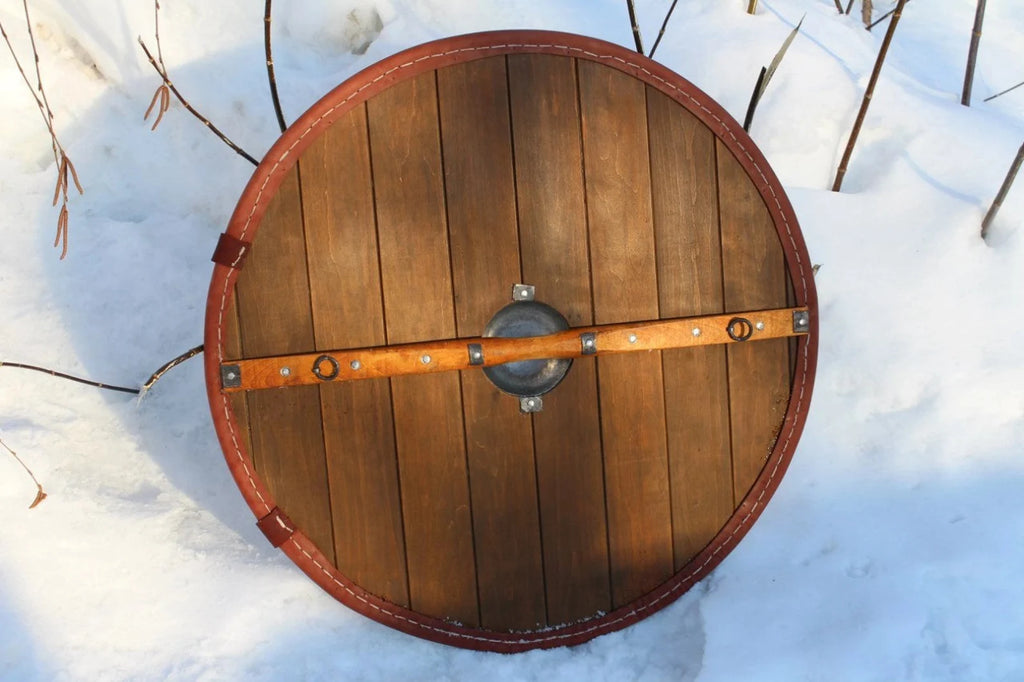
(276, 526)
(230, 251)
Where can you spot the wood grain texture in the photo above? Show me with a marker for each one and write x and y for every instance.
(555, 259)
(418, 306)
(477, 151)
(755, 278)
(345, 289)
(625, 287)
(685, 198)
(274, 309)
(233, 350)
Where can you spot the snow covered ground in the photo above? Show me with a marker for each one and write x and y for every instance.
(894, 548)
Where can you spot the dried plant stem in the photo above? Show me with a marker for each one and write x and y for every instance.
(636, 28)
(751, 6)
(168, 366)
(867, 96)
(972, 55)
(882, 18)
(992, 97)
(865, 13)
(661, 33)
(40, 495)
(69, 377)
(849, 7)
(205, 121)
(839, 6)
(60, 157)
(270, 67)
(1003, 191)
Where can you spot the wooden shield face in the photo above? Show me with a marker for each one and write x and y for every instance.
(401, 209)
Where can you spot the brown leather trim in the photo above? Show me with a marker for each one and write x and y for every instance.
(277, 527)
(267, 178)
(230, 251)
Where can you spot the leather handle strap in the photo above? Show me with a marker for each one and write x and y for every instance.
(455, 354)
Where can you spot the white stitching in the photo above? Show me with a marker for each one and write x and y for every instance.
(677, 585)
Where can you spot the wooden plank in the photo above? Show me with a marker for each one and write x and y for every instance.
(755, 278)
(555, 259)
(345, 289)
(418, 306)
(685, 197)
(625, 287)
(477, 152)
(233, 350)
(274, 311)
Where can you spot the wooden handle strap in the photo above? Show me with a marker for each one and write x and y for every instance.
(454, 354)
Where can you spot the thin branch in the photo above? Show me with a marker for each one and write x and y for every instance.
(40, 495)
(69, 377)
(992, 97)
(849, 7)
(1003, 190)
(661, 33)
(972, 55)
(751, 6)
(636, 28)
(882, 18)
(755, 97)
(867, 95)
(270, 68)
(839, 6)
(60, 157)
(168, 366)
(866, 8)
(206, 122)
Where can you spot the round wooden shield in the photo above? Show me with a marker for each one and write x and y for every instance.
(345, 346)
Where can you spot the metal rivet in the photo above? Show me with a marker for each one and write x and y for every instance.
(632, 338)
(425, 359)
(232, 375)
(588, 343)
(355, 364)
(696, 331)
(760, 326)
(286, 371)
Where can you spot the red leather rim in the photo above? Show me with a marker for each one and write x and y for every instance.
(282, 156)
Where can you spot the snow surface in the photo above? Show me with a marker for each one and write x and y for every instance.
(894, 548)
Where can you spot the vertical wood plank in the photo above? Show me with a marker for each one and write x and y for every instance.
(233, 350)
(362, 464)
(477, 152)
(625, 287)
(555, 259)
(273, 303)
(418, 306)
(685, 196)
(755, 279)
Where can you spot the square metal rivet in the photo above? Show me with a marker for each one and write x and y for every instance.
(230, 376)
(801, 321)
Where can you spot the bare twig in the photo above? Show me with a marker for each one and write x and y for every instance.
(849, 7)
(867, 95)
(164, 97)
(865, 13)
(40, 495)
(60, 157)
(69, 377)
(168, 366)
(992, 97)
(636, 28)
(661, 33)
(755, 97)
(839, 6)
(972, 56)
(882, 18)
(205, 121)
(270, 68)
(751, 6)
(1003, 190)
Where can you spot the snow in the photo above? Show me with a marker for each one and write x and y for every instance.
(894, 547)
